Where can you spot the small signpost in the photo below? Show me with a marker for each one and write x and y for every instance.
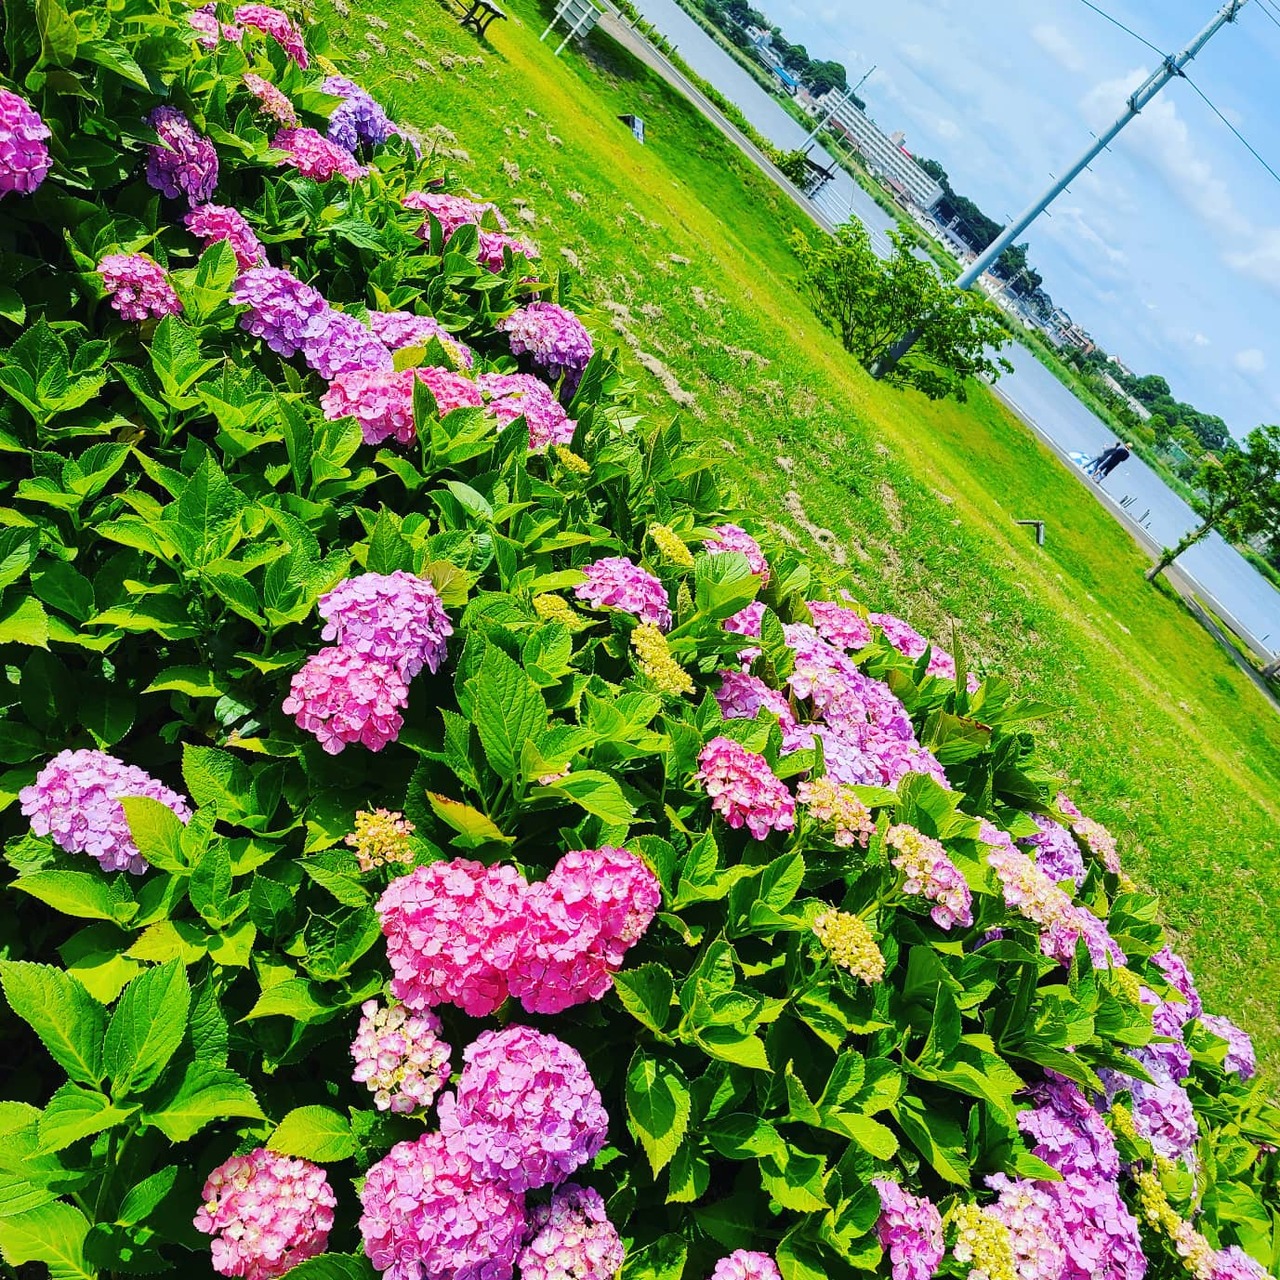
(577, 16)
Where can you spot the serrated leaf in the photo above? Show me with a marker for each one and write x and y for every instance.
(597, 793)
(69, 1022)
(473, 826)
(54, 1235)
(664, 1259)
(147, 1027)
(314, 1133)
(205, 1093)
(157, 831)
(334, 1266)
(74, 1113)
(508, 709)
(80, 893)
(646, 993)
(146, 1195)
(658, 1106)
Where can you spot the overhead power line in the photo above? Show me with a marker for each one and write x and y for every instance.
(1265, 6)
(1115, 22)
(1240, 136)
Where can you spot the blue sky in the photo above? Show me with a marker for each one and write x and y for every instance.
(1169, 251)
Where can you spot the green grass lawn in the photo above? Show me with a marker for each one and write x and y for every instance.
(680, 246)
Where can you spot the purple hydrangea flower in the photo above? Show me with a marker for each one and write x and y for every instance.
(339, 343)
(1240, 1059)
(553, 338)
(1056, 852)
(571, 1238)
(515, 395)
(1098, 1232)
(910, 1230)
(138, 287)
(214, 222)
(396, 618)
(1232, 1263)
(76, 800)
(1178, 975)
(357, 118)
(614, 582)
(746, 1264)
(1068, 1132)
(24, 159)
(396, 329)
(285, 313)
(183, 163)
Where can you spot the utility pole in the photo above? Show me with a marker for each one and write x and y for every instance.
(848, 97)
(1168, 70)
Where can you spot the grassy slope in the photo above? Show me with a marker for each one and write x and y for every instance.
(1160, 736)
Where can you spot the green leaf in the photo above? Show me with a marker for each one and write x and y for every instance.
(95, 956)
(147, 1027)
(146, 1195)
(54, 1235)
(25, 622)
(75, 1112)
(216, 777)
(508, 709)
(740, 1136)
(80, 893)
(195, 682)
(69, 1022)
(937, 1137)
(658, 1106)
(723, 584)
(334, 1266)
(728, 1044)
(58, 37)
(646, 994)
(205, 1093)
(471, 825)
(115, 58)
(210, 888)
(870, 1135)
(157, 831)
(664, 1259)
(314, 1133)
(689, 1177)
(780, 881)
(597, 793)
(64, 588)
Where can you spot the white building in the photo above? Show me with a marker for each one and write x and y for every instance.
(884, 155)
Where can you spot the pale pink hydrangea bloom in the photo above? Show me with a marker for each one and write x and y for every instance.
(1025, 887)
(138, 287)
(76, 800)
(451, 211)
(576, 927)
(836, 804)
(744, 790)
(430, 1213)
(746, 1264)
(1232, 1263)
(204, 22)
(840, 626)
(910, 1230)
(24, 158)
(932, 875)
(266, 1213)
(396, 329)
(571, 1238)
(214, 222)
(554, 338)
(525, 1109)
(443, 924)
(396, 618)
(1241, 1059)
(1030, 1213)
(512, 395)
(183, 163)
(271, 99)
(341, 697)
(615, 582)
(273, 23)
(732, 537)
(875, 755)
(400, 1057)
(314, 156)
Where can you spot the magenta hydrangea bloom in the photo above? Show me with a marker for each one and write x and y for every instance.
(271, 22)
(839, 626)
(1241, 1059)
(1178, 975)
(214, 222)
(443, 924)
(285, 313)
(615, 582)
(339, 343)
(24, 158)
(1068, 1132)
(204, 22)
(396, 618)
(138, 287)
(380, 400)
(577, 926)
(400, 1057)
(740, 696)
(525, 1109)
(76, 800)
(747, 621)
(314, 156)
(514, 395)
(1232, 1263)
(910, 1231)
(746, 1264)
(732, 537)
(1098, 1233)
(494, 245)
(451, 212)
(571, 1238)
(932, 875)
(911, 644)
(431, 1213)
(1031, 1215)
(396, 329)
(183, 163)
(744, 790)
(341, 697)
(451, 390)
(271, 99)
(357, 119)
(266, 1213)
(552, 337)
(1056, 851)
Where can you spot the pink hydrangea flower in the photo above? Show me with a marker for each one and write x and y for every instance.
(931, 874)
(1031, 1215)
(451, 211)
(271, 22)
(266, 1213)
(341, 697)
(285, 313)
(24, 158)
(839, 626)
(204, 22)
(494, 245)
(744, 790)
(1068, 1132)
(615, 582)
(396, 329)
(740, 696)
(396, 618)
(443, 924)
(732, 537)
(400, 1057)
(430, 1213)
(875, 755)
(1025, 886)
(745, 1264)
(910, 1230)
(554, 339)
(911, 644)
(380, 400)
(1098, 1233)
(314, 156)
(271, 99)
(747, 621)
(183, 163)
(577, 926)
(339, 343)
(214, 222)
(513, 395)
(525, 1110)
(451, 390)
(138, 287)
(76, 800)
(1241, 1059)
(571, 1238)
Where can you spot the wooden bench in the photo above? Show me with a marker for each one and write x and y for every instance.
(480, 15)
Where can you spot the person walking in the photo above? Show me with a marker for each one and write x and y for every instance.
(1112, 459)
(1091, 467)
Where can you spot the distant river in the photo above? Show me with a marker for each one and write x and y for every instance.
(1223, 575)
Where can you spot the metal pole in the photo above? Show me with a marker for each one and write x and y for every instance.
(586, 13)
(1141, 96)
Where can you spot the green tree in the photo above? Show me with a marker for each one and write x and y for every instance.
(870, 304)
(1239, 495)
(794, 167)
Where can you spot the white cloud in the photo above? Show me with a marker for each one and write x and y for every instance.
(1251, 361)
(1059, 46)
(1199, 340)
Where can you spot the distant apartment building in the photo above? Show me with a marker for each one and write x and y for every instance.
(885, 155)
